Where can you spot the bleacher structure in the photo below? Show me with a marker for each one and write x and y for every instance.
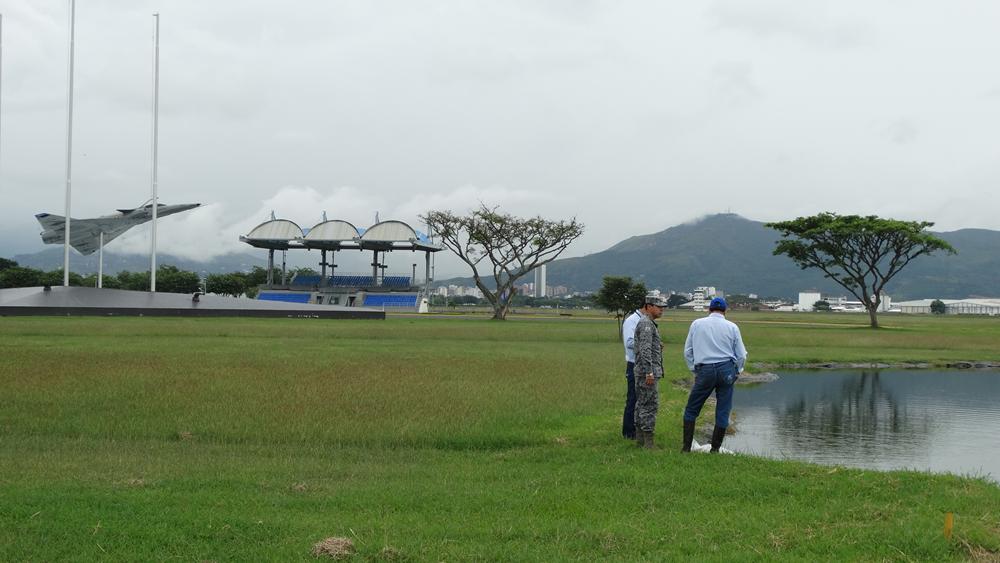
(376, 290)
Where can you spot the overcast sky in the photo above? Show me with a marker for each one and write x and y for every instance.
(632, 116)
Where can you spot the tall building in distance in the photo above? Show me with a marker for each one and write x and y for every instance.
(540, 281)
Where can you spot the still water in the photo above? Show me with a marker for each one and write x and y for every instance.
(942, 421)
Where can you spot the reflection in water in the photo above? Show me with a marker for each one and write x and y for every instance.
(942, 421)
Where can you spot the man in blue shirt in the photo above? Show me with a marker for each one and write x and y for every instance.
(715, 353)
(628, 337)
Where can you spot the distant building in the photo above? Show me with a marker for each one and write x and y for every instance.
(540, 281)
(987, 306)
(558, 291)
(808, 299)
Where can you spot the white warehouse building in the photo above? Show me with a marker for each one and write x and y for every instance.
(953, 306)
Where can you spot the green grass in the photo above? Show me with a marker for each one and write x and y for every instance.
(446, 439)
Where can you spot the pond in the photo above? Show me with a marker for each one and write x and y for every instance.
(941, 421)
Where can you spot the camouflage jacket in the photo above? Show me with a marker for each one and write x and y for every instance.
(648, 349)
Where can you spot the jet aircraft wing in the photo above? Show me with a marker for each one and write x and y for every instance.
(85, 234)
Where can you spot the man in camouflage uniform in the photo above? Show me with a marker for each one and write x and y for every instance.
(648, 369)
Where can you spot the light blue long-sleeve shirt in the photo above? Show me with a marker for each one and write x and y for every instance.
(713, 339)
(628, 335)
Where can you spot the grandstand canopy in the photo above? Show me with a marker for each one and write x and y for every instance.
(392, 235)
(332, 235)
(276, 234)
(281, 234)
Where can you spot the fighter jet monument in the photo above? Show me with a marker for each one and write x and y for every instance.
(90, 235)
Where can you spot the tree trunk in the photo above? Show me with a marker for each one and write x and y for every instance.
(500, 309)
(873, 315)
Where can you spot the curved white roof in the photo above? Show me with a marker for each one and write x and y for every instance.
(389, 231)
(276, 229)
(276, 233)
(334, 231)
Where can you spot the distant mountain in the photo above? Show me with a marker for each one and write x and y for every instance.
(734, 254)
(52, 259)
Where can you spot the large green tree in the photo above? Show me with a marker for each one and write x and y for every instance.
(619, 295)
(506, 246)
(861, 253)
(233, 284)
(938, 307)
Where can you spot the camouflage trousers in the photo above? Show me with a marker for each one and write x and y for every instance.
(647, 403)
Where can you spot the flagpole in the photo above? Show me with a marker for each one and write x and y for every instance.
(69, 142)
(156, 124)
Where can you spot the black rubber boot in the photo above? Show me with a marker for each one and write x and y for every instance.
(717, 435)
(688, 436)
(650, 444)
(640, 437)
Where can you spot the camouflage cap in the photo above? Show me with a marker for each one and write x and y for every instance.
(655, 299)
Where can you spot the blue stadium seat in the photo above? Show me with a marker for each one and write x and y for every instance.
(308, 281)
(285, 297)
(351, 281)
(390, 300)
(396, 281)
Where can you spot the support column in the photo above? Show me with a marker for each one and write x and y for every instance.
(427, 275)
(270, 268)
(284, 275)
(100, 261)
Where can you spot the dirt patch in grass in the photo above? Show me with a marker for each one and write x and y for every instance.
(980, 554)
(337, 548)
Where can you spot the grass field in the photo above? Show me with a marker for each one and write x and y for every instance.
(438, 439)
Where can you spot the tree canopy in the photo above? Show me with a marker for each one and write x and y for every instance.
(508, 247)
(619, 295)
(861, 253)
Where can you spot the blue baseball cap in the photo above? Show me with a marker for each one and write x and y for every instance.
(717, 304)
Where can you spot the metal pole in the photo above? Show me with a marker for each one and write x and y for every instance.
(156, 131)
(69, 142)
(100, 262)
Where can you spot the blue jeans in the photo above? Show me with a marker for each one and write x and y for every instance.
(718, 377)
(628, 419)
